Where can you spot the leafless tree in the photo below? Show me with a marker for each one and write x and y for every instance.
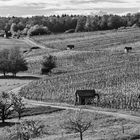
(78, 124)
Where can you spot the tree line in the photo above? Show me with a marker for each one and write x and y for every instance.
(38, 25)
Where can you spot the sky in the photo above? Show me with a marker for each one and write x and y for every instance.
(29, 8)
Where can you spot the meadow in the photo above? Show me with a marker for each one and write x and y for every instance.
(90, 41)
(9, 43)
(103, 126)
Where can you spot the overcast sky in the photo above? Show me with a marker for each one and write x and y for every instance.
(50, 7)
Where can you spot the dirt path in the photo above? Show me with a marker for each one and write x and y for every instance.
(31, 42)
(84, 108)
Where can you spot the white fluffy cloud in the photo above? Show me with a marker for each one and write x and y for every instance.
(66, 6)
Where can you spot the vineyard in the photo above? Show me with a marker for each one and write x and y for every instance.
(97, 62)
(115, 76)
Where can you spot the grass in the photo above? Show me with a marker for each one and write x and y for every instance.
(37, 110)
(104, 127)
(89, 41)
(8, 83)
(9, 43)
(28, 112)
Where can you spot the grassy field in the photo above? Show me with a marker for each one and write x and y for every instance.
(90, 41)
(8, 43)
(98, 44)
(104, 127)
(8, 83)
(29, 111)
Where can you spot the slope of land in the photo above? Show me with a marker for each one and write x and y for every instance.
(98, 61)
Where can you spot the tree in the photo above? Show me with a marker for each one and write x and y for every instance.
(5, 106)
(78, 123)
(48, 64)
(80, 27)
(17, 62)
(38, 30)
(114, 22)
(13, 28)
(4, 61)
(18, 104)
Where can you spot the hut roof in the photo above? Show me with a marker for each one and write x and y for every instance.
(84, 93)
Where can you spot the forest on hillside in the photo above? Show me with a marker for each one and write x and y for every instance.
(39, 25)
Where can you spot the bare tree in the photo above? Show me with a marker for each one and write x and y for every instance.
(18, 104)
(78, 124)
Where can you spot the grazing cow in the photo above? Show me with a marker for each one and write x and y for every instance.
(70, 47)
(82, 96)
(127, 49)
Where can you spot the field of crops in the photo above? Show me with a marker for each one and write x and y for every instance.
(107, 72)
(107, 68)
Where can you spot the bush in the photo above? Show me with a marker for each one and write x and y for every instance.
(26, 130)
(38, 30)
(48, 64)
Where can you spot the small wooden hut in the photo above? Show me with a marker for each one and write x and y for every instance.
(82, 96)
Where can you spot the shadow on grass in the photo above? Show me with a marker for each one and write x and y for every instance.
(20, 77)
(38, 110)
(8, 124)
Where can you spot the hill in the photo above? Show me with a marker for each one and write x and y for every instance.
(98, 61)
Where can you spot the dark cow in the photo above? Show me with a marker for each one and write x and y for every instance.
(70, 47)
(82, 96)
(127, 49)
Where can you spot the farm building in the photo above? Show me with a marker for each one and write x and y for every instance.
(70, 47)
(83, 96)
(127, 49)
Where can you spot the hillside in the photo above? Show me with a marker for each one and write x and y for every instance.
(98, 61)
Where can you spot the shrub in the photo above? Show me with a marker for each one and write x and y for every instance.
(48, 64)
(26, 130)
(38, 30)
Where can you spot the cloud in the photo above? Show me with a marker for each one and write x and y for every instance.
(96, 1)
(47, 7)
